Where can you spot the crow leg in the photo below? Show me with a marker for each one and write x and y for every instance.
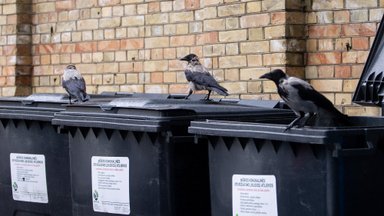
(294, 122)
(189, 94)
(70, 99)
(306, 120)
(209, 93)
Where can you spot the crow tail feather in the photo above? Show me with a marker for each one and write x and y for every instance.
(220, 90)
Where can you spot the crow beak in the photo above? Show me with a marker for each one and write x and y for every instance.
(184, 59)
(265, 76)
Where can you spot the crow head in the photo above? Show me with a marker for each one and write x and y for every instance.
(71, 67)
(190, 58)
(275, 75)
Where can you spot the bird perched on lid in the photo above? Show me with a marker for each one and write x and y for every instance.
(305, 101)
(199, 77)
(74, 84)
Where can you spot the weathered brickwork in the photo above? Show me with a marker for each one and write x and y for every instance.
(134, 45)
(340, 34)
(15, 47)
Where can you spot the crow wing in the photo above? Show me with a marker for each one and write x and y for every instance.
(308, 93)
(204, 79)
(74, 85)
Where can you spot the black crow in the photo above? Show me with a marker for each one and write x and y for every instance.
(74, 84)
(199, 77)
(305, 101)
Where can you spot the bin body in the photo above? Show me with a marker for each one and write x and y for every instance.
(257, 169)
(34, 158)
(34, 162)
(165, 172)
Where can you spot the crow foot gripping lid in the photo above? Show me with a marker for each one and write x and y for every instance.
(370, 90)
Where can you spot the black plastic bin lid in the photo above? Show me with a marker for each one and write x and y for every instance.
(366, 130)
(155, 115)
(42, 107)
(370, 90)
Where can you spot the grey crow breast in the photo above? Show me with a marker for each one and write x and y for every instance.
(74, 84)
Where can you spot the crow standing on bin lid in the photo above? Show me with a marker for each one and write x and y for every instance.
(305, 101)
(199, 77)
(74, 84)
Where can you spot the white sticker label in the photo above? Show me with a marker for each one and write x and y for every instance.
(110, 185)
(29, 181)
(254, 195)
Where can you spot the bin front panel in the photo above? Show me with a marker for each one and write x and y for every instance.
(161, 180)
(318, 171)
(34, 138)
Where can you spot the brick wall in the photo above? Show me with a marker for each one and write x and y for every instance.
(134, 45)
(340, 34)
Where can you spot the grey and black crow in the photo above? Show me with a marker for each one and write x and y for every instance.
(199, 77)
(305, 101)
(74, 84)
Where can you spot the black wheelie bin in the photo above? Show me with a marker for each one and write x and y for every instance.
(134, 156)
(34, 158)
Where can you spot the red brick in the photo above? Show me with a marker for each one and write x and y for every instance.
(11, 19)
(182, 40)
(153, 7)
(342, 71)
(278, 18)
(192, 4)
(108, 45)
(10, 81)
(361, 29)
(8, 71)
(156, 77)
(64, 5)
(324, 58)
(9, 50)
(86, 47)
(126, 67)
(46, 48)
(178, 88)
(138, 67)
(3, 80)
(131, 44)
(45, 59)
(65, 48)
(175, 65)
(360, 43)
(207, 38)
(324, 31)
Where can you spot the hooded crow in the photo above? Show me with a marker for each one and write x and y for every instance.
(305, 101)
(74, 84)
(199, 77)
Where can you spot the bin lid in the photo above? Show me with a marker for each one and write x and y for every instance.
(42, 106)
(370, 89)
(366, 127)
(158, 114)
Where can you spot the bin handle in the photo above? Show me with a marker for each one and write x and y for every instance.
(339, 151)
(107, 107)
(27, 102)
